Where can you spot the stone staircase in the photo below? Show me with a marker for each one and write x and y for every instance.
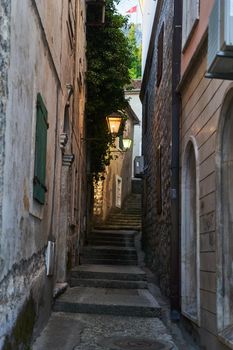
(110, 248)
(108, 281)
(129, 218)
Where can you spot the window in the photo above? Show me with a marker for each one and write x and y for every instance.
(118, 191)
(159, 180)
(160, 56)
(146, 112)
(39, 187)
(71, 24)
(190, 235)
(190, 18)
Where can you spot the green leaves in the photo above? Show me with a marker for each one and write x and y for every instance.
(135, 67)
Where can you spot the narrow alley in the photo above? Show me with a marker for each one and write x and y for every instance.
(116, 174)
(108, 304)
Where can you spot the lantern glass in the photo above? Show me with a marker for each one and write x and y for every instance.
(114, 123)
(127, 143)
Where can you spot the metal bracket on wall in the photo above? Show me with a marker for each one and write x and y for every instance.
(67, 159)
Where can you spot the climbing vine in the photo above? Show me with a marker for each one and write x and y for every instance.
(108, 63)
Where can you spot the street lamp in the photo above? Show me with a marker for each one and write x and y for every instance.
(127, 143)
(114, 123)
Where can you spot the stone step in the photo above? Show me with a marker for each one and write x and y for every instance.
(131, 205)
(120, 302)
(110, 261)
(108, 249)
(109, 256)
(106, 283)
(123, 222)
(113, 256)
(120, 214)
(123, 217)
(112, 238)
(132, 211)
(116, 233)
(116, 227)
(126, 273)
(113, 250)
(101, 241)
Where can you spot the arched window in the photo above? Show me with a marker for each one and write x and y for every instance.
(190, 235)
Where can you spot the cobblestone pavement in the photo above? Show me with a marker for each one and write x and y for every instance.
(103, 332)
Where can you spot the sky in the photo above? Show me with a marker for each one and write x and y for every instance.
(125, 5)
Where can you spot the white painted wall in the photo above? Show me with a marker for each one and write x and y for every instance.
(136, 105)
(149, 7)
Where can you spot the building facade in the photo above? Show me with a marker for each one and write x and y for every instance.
(42, 158)
(206, 165)
(160, 148)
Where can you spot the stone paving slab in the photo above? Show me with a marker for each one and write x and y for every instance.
(102, 332)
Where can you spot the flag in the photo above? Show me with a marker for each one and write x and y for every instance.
(132, 10)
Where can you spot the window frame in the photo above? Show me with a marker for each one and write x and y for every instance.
(39, 177)
(189, 21)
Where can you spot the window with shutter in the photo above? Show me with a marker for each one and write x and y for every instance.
(39, 187)
(191, 9)
(159, 179)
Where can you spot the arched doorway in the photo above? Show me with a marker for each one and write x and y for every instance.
(190, 234)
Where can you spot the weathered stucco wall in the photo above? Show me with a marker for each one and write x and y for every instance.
(41, 61)
(5, 12)
(136, 105)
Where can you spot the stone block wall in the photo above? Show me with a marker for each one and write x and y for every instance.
(156, 135)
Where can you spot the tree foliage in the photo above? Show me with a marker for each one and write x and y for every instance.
(136, 51)
(108, 62)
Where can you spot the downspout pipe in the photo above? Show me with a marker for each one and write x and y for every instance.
(176, 112)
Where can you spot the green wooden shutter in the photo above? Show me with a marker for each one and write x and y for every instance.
(39, 187)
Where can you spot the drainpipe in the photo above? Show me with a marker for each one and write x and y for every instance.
(176, 112)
